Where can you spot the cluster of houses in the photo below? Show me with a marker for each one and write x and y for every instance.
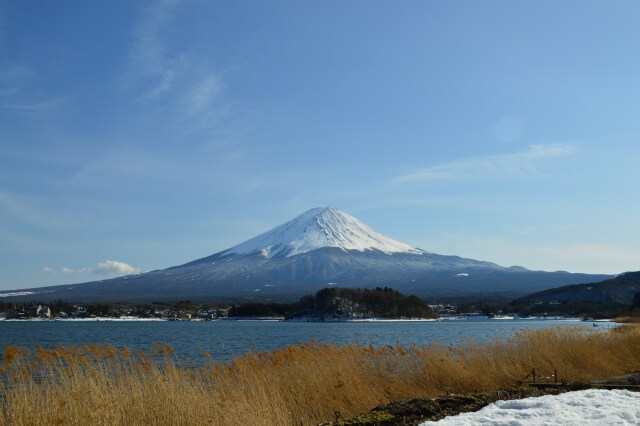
(31, 311)
(44, 312)
(449, 312)
(444, 310)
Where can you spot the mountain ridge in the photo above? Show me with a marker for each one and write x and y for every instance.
(620, 289)
(319, 248)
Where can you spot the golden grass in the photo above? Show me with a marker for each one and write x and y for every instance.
(303, 384)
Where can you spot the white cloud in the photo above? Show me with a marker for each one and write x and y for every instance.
(110, 267)
(491, 166)
(114, 267)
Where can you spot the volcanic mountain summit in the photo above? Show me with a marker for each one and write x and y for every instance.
(321, 247)
(318, 228)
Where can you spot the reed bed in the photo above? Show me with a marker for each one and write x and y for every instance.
(300, 384)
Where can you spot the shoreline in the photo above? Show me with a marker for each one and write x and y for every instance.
(320, 320)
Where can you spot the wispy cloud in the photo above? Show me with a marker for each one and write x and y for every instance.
(151, 67)
(167, 79)
(110, 267)
(594, 256)
(159, 70)
(584, 256)
(12, 79)
(491, 166)
(16, 96)
(203, 94)
(37, 107)
(133, 165)
(15, 208)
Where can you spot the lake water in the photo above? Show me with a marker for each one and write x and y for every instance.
(224, 339)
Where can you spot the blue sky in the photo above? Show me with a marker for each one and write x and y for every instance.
(141, 135)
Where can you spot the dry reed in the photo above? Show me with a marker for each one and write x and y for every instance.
(302, 384)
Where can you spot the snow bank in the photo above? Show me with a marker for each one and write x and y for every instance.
(587, 407)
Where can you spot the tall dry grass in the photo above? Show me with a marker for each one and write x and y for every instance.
(304, 384)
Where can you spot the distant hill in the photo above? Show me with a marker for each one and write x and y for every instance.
(620, 289)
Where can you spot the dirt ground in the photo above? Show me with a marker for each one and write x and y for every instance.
(411, 412)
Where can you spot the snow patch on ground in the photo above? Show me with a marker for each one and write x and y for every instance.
(581, 408)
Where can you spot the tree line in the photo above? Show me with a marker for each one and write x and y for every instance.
(342, 302)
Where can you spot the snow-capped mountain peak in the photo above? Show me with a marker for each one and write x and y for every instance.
(321, 247)
(317, 228)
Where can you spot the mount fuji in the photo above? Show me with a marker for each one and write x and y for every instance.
(322, 247)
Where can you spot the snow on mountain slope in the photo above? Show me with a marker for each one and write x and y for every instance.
(318, 228)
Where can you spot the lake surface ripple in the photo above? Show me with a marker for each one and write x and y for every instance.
(225, 339)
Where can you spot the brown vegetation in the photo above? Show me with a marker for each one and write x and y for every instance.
(303, 384)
